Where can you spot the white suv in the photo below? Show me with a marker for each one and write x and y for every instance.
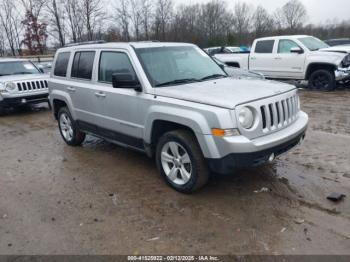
(172, 101)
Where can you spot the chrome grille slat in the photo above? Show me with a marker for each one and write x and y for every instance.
(34, 85)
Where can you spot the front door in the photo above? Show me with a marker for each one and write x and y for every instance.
(291, 65)
(122, 110)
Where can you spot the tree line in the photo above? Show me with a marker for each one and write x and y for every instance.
(35, 26)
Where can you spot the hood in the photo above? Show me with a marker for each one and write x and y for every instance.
(339, 49)
(16, 78)
(226, 92)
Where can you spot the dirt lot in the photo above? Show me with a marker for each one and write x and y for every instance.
(104, 199)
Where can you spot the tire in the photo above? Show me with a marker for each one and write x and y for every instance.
(184, 174)
(322, 80)
(69, 129)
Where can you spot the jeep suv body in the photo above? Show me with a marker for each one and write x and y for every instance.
(172, 101)
(21, 83)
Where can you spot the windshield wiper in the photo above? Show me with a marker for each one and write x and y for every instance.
(214, 76)
(23, 73)
(178, 81)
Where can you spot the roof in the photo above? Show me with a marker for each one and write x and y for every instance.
(125, 45)
(12, 59)
(283, 37)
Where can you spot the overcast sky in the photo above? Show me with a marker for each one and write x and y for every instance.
(319, 11)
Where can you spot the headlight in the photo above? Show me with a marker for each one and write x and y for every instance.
(346, 61)
(246, 117)
(10, 86)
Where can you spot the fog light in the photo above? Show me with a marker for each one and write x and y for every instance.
(23, 101)
(271, 157)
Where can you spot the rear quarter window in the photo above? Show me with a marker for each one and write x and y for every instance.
(264, 47)
(62, 64)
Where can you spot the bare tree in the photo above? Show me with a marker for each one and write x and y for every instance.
(123, 17)
(242, 20)
(10, 23)
(146, 14)
(136, 16)
(163, 15)
(93, 14)
(262, 22)
(292, 15)
(56, 19)
(74, 12)
(35, 7)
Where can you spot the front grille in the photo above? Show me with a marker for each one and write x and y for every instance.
(279, 114)
(272, 114)
(32, 85)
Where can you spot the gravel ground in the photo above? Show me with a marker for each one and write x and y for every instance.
(104, 199)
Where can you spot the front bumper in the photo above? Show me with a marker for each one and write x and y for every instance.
(342, 74)
(24, 100)
(238, 151)
(244, 160)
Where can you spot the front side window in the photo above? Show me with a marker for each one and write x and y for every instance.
(83, 64)
(312, 43)
(264, 46)
(174, 65)
(114, 63)
(285, 46)
(18, 68)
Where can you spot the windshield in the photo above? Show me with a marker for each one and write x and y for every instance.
(17, 68)
(313, 44)
(167, 66)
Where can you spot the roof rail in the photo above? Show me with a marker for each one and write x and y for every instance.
(86, 43)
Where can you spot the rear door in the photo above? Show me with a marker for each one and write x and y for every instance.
(81, 87)
(262, 58)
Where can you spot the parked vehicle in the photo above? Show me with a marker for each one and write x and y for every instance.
(296, 57)
(21, 83)
(224, 50)
(336, 42)
(238, 72)
(173, 102)
(44, 66)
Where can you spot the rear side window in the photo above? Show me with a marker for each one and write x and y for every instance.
(83, 64)
(264, 47)
(114, 63)
(61, 64)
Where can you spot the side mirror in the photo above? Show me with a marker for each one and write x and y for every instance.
(296, 50)
(125, 80)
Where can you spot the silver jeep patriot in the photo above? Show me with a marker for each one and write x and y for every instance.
(174, 103)
(21, 83)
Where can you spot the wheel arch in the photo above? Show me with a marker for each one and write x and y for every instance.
(59, 99)
(316, 66)
(160, 123)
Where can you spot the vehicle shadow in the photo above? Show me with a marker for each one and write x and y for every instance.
(25, 110)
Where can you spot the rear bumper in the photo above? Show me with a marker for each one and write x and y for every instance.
(16, 101)
(234, 161)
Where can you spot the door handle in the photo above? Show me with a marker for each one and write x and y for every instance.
(253, 58)
(71, 89)
(278, 58)
(100, 94)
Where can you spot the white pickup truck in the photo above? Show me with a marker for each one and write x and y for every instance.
(297, 57)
